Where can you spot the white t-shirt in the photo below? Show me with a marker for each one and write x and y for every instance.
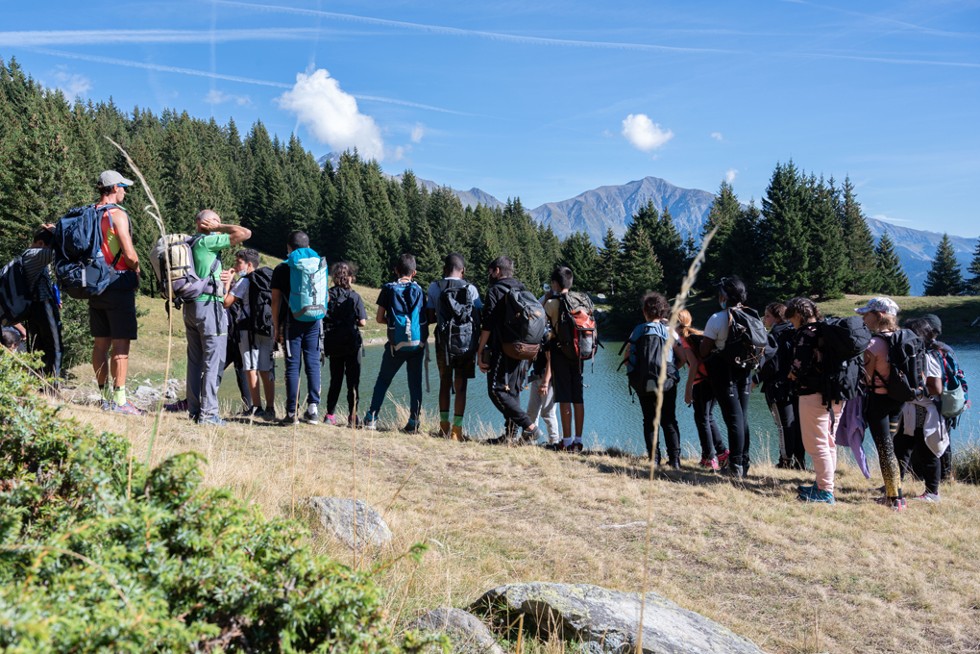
(240, 290)
(436, 288)
(717, 328)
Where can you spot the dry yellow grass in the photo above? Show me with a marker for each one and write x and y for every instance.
(850, 578)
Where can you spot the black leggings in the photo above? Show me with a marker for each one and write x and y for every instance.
(731, 388)
(785, 413)
(668, 421)
(915, 456)
(882, 415)
(344, 367)
(708, 432)
(44, 335)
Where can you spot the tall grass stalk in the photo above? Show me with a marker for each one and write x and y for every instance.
(679, 302)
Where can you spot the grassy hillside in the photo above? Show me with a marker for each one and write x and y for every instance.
(850, 578)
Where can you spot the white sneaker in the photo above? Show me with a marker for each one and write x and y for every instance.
(311, 416)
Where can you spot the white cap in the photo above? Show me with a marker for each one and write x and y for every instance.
(110, 178)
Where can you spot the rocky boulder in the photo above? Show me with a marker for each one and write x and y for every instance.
(466, 633)
(606, 620)
(354, 522)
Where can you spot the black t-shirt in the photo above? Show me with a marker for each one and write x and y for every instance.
(280, 282)
(496, 294)
(339, 295)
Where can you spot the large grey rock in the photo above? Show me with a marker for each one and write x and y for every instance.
(467, 633)
(355, 523)
(607, 620)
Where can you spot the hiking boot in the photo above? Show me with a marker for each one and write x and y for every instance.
(814, 494)
(927, 497)
(213, 421)
(445, 429)
(371, 422)
(128, 409)
(723, 458)
(411, 427)
(176, 407)
(456, 434)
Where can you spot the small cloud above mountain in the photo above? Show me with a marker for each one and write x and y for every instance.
(71, 84)
(418, 132)
(331, 115)
(730, 175)
(214, 96)
(644, 134)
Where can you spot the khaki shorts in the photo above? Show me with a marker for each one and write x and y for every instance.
(256, 353)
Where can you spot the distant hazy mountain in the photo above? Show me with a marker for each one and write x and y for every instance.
(597, 210)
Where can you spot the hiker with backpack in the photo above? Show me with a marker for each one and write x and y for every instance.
(252, 330)
(111, 308)
(818, 418)
(778, 389)
(574, 339)
(299, 304)
(887, 356)
(698, 393)
(205, 318)
(342, 342)
(643, 354)
(542, 404)
(454, 307)
(955, 398)
(733, 345)
(512, 334)
(30, 302)
(923, 435)
(401, 306)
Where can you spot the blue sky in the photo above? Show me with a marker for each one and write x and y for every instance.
(544, 100)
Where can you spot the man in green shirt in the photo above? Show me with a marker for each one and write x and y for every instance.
(206, 320)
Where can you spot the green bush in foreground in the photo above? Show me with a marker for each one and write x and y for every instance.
(99, 553)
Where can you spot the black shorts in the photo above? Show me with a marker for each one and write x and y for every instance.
(566, 379)
(466, 369)
(113, 315)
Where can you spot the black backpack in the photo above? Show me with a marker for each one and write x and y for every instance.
(341, 337)
(15, 294)
(907, 366)
(457, 324)
(842, 342)
(524, 325)
(647, 352)
(260, 302)
(747, 339)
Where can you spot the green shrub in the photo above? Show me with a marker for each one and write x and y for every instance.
(99, 553)
(966, 465)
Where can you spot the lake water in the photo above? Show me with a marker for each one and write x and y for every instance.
(612, 418)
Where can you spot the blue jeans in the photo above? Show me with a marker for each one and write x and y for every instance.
(391, 362)
(302, 345)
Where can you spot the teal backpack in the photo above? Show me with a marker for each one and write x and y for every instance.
(307, 285)
(406, 316)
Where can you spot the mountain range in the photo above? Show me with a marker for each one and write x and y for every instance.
(612, 207)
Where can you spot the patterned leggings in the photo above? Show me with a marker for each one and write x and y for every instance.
(882, 414)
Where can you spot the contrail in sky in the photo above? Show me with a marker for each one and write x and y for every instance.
(100, 37)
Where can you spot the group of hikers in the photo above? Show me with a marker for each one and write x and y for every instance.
(825, 380)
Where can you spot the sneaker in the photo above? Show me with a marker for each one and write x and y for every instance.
(269, 415)
(176, 407)
(354, 422)
(805, 488)
(331, 419)
(311, 416)
(713, 464)
(928, 497)
(814, 494)
(371, 422)
(503, 439)
(576, 447)
(128, 409)
(213, 421)
(554, 446)
(723, 458)
(894, 503)
(289, 420)
(411, 427)
(248, 414)
(106, 405)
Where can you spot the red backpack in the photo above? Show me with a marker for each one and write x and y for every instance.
(577, 334)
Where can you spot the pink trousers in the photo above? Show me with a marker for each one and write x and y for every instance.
(817, 424)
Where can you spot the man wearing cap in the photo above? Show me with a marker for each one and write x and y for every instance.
(206, 320)
(112, 314)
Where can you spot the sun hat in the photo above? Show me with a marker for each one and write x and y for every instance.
(884, 305)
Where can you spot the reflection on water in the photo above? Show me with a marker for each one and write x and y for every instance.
(612, 418)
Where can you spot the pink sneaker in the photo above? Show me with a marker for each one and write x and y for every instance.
(723, 458)
(128, 409)
(331, 419)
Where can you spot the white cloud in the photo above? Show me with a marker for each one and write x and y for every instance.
(643, 133)
(418, 132)
(72, 84)
(399, 153)
(332, 115)
(730, 175)
(718, 136)
(215, 96)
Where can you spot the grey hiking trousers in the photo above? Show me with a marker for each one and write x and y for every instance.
(206, 324)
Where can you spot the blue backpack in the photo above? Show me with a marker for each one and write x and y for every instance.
(307, 285)
(405, 316)
(79, 263)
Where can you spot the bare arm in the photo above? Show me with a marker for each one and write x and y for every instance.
(120, 222)
(484, 337)
(236, 233)
(707, 345)
(276, 303)
(380, 317)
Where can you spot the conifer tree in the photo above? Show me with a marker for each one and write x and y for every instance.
(828, 254)
(945, 277)
(607, 270)
(667, 244)
(264, 205)
(973, 284)
(579, 254)
(892, 280)
(353, 226)
(784, 237)
(302, 175)
(719, 260)
(859, 244)
(640, 272)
